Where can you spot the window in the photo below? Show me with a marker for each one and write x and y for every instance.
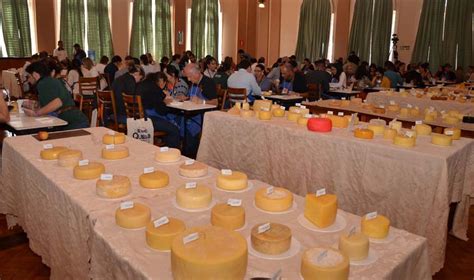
(331, 40)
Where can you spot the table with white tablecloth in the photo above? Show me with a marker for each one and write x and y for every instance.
(74, 230)
(10, 83)
(413, 187)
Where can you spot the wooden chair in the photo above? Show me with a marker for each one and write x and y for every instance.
(221, 93)
(314, 91)
(87, 93)
(134, 109)
(106, 103)
(234, 95)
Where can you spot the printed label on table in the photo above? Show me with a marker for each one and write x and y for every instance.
(343, 98)
(270, 190)
(84, 162)
(106, 177)
(126, 205)
(161, 221)
(298, 104)
(147, 170)
(111, 133)
(330, 113)
(392, 102)
(47, 146)
(282, 107)
(321, 192)
(449, 132)
(340, 114)
(189, 162)
(109, 147)
(371, 215)
(226, 172)
(419, 122)
(263, 228)
(234, 202)
(410, 134)
(190, 238)
(164, 149)
(190, 185)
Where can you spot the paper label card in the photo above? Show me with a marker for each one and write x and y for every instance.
(409, 106)
(147, 170)
(321, 192)
(47, 146)
(234, 202)
(263, 228)
(265, 109)
(106, 177)
(190, 185)
(303, 107)
(341, 114)
(308, 116)
(270, 190)
(392, 102)
(226, 172)
(111, 133)
(190, 237)
(449, 132)
(282, 107)
(343, 98)
(161, 221)
(188, 161)
(410, 134)
(381, 106)
(126, 205)
(83, 162)
(353, 231)
(419, 122)
(109, 147)
(164, 149)
(330, 113)
(298, 104)
(371, 215)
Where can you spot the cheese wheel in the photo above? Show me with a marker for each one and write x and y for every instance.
(355, 247)
(88, 172)
(277, 201)
(136, 217)
(378, 122)
(321, 210)
(303, 121)
(69, 158)
(278, 112)
(377, 227)
(234, 182)
(118, 152)
(258, 105)
(376, 128)
(345, 103)
(404, 112)
(195, 170)
(171, 155)
(119, 186)
(295, 109)
(228, 217)
(160, 238)
(404, 94)
(293, 116)
(319, 124)
(50, 154)
(389, 133)
(363, 133)
(339, 121)
(349, 117)
(378, 110)
(115, 138)
(393, 108)
(414, 112)
(274, 241)
(441, 139)
(154, 180)
(194, 198)
(404, 141)
(264, 115)
(454, 132)
(246, 113)
(334, 266)
(218, 253)
(245, 106)
(451, 120)
(429, 117)
(397, 125)
(422, 129)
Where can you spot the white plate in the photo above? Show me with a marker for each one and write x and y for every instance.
(371, 258)
(175, 204)
(292, 208)
(195, 178)
(249, 187)
(390, 237)
(293, 251)
(170, 162)
(338, 225)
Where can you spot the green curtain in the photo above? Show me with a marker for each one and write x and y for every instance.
(72, 24)
(205, 27)
(142, 28)
(99, 36)
(381, 28)
(162, 29)
(429, 36)
(361, 29)
(314, 28)
(16, 27)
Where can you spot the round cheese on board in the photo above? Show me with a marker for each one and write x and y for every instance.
(324, 264)
(321, 210)
(194, 170)
(113, 138)
(117, 152)
(227, 216)
(193, 198)
(88, 172)
(119, 186)
(50, 154)
(404, 141)
(363, 133)
(376, 128)
(278, 200)
(160, 237)
(265, 115)
(338, 121)
(154, 180)
(233, 182)
(69, 158)
(136, 217)
(320, 124)
(278, 112)
(246, 113)
(389, 133)
(422, 129)
(273, 241)
(441, 139)
(169, 155)
(377, 227)
(454, 132)
(355, 246)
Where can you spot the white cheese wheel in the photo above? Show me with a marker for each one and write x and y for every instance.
(277, 201)
(119, 186)
(194, 170)
(194, 198)
(171, 155)
(69, 158)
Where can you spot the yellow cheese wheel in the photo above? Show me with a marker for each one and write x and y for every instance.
(304, 111)
(375, 228)
(422, 129)
(295, 109)
(451, 120)
(441, 139)
(338, 121)
(302, 121)
(258, 105)
(246, 113)
(414, 112)
(397, 125)
(349, 117)
(393, 108)
(50, 154)
(115, 138)
(321, 210)
(389, 133)
(274, 241)
(171, 155)
(404, 94)
(154, 180)
(136, 217)
(376, 128)
(160, 238)
(119, 186)
(69, 158)
(264, 115)
(345, 103)
(194, 198)
(277, 201)
(363, 133)
(429, 117)
(234, 182)
(218, 253)
(278, 112)
(228, 217)
(378, 110)
(404, 141)
(454, 132)
(118, 152)
(333, 266)
(195, 170)
(275, 106)
(404, 112)
(293, 116)
(88, 172)
(355, 246)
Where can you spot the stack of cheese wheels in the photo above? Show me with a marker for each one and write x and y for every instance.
(52, 153)
(338, 121)
(324, 264)
(275, 240)
(422, 129)
(167, 155)
(376, 226)
(136, 216)
(113, 138)
(441, 139)
(228, 216)
(246, 113)
(232, 180)
(389, 133)
(355, 246)
(209, 252)
(119, 186)
(265, 114)
(113, 152)
(278, 112)
(193, 169)
(69, 158)
(273, 199)
(321, 210)
(378, 129)
(363, 133)
(319, 125)
(89, 171)
(195, 197)
(161, 232)
(154, 180)
(454, 132)
(404, 141)
(404, 112)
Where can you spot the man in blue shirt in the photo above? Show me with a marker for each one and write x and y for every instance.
(394, 77)
(243, 78)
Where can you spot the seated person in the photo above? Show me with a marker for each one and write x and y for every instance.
(223, 74)
(126, 83)
(394, 77)
(380, 80)
(176, 88)
(263, 82)
(112, 68)
(319, 76)
(210, 67)
(413, 77)
(447, 74)
(293, 80)
(154, 102)
(4, 114)
(243, 78)
(53, 97)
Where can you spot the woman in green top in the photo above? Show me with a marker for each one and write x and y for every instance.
(54, 99)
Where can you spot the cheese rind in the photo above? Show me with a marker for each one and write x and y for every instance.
(441, 139)
(319, 124)
(160, 238)
(335, 266)
(355, 247)
(278, 112)
(234, 182)
(293, 116)
(277, 201)
(274, 241)
(321, 210)
(265, 115)
(454, 131)
(172, 155)
(194, 198)
(119, 186)
(377, 227)
(363, 133)
(246, 113)
(378, 129)
(116, 138)
(136, 217)
(154, 180)
(195, 170)
(404, 141)
(69, 158)
(50, 154)
(423, 129)
(118, 152)
(338, 121)
(228, 217)
(88, 172)
(218, 253)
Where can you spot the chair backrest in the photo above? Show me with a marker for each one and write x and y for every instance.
(106, 103)
(133, 108)
(221, 95)
(314, 91)
(234, 95)
(88, 85)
